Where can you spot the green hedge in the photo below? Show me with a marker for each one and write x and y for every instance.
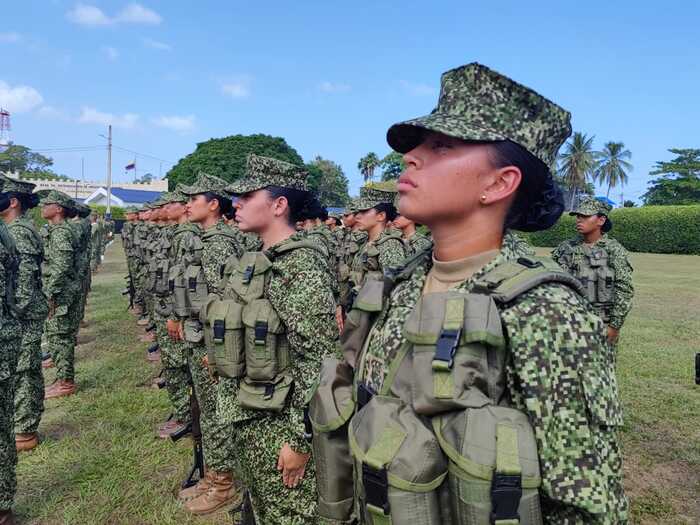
(651, 229)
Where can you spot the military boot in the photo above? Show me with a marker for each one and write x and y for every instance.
(224, 490)
(60, 388)
(201, 487)
(7, 518)
(25, 442)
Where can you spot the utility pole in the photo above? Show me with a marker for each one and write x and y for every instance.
(109, 172)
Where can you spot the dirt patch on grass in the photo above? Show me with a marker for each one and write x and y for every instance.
(59, 430)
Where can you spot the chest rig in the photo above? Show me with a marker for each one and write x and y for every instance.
(443, 400)
(593, 270)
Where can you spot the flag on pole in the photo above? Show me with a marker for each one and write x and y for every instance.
(131, 165)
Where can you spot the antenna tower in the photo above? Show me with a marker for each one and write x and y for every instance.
(5, 127)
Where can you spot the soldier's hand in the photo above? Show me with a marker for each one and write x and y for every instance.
(339, 318)
(293, 465)
(613, 335)
(173, 329)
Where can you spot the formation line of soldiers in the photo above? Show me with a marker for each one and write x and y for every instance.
(356, 370)
(44, 284)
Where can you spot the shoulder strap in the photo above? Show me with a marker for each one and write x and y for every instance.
(295, 245)
(513, 278)
(388, 236)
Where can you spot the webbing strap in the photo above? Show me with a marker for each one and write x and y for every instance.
(506, 486)
(507, 450)
(385, 448)
(378, 516)
(443, 383)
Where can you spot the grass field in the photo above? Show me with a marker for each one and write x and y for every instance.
(99, 462)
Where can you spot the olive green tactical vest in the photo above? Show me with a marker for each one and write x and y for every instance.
(443, 401)
(597, 278)
(367, 262)
(245, 337)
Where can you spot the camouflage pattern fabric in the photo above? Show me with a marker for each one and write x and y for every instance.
(592, 206)
(556, 345)
(324, 237)
(10, 337)
(203, 184)
(387, 250)
(417, 243)
(262, 172)
(57, 197)
(517, 243)
(31, 310)
(61, 287)
(479, 104)
(371, 197)
(572, 256)
(96, 244)
(300, 292)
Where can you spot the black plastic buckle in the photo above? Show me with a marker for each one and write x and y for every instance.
(260, 332)
(248, 274)
(608, 281)
(159, 273)
(192, 284)
(506, 491)
(376, 487)
(308, 429)
(529, 263)
(447, 346)
(219, 330)
(171, 285)
(364, 395)
(364, 258)
(697, 368)
(269, 390)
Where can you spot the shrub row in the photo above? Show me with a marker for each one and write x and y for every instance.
(651, 229)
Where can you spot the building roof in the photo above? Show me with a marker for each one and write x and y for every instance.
(135, 196)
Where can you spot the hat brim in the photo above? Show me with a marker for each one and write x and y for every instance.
(405, 136)
(242, 186)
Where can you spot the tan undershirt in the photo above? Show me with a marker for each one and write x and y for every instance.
(445, 275)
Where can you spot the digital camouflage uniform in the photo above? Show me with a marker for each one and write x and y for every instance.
(83, 232)
(353, 242)
(609, 256)
(324, 237)
(217, 244)
(61, 286)
(416, 243)
(517, 243)
(97, 234)
(31, 310)
(559, 371)
(10, 338)
(300, 292)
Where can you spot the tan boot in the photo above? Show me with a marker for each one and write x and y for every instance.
(60, 388)
(25, 442)
(7, 518)
(224, 491)
(201, 487)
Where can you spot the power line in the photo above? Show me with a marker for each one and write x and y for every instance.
(142, 154)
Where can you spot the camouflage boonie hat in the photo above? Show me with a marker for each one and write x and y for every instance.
(177, 195)
(9, 185)
(479, 104)
(57, 197)
(372, 197)
(206, 183)
(592, 206)
(262, 172)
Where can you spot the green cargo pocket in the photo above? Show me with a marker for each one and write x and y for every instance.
(196, 289)
(248, 277)
(266, 347)
(494, 466)
(330, 409)
(178, 291)
(265, 395)
(194, 331)
(458, 351)
(224, 337)
(399, 467)
(371, 295)
(606, 284)
(162, 277)
(162, 306)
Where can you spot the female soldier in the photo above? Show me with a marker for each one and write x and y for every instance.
(269, 334)
(485, 363)
(32, 310)
(414, 241)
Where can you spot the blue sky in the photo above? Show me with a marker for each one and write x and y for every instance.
(330, 77)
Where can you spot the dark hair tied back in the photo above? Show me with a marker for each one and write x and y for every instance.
(297, 200)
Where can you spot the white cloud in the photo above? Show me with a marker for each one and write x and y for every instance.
(93, 16)
(19, 99)
(238, 87)
(333, 87)
(10, 38)
(418, 90)
(90, 115)
(112, 53)
(138, 14)
(88, 15)
(175, 122)
(50, 112)
(155, 44)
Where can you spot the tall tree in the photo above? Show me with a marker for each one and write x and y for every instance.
(328, 180)
(578, 163)
(613, 166)
(679, 181)
(18, 158)
(367, 165)
(226, 157)
(392, 165)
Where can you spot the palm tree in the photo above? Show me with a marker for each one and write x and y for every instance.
(367, 165)
(578, 163)
(613, 167)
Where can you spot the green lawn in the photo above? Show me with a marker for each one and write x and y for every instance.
(100, 463)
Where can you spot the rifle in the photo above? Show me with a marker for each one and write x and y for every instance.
(197, 451)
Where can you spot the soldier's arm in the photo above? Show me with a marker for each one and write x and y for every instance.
(561, 375)
(558, 255)
(302, 298)
(391, 253)
(623, 290)
(28, 271)
(61, 271)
